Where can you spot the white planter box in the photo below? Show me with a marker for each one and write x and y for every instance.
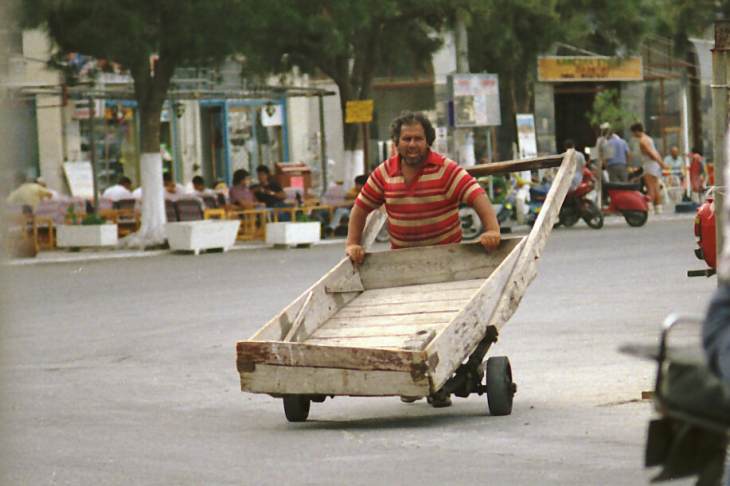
(201, 235)
(78, 235)
(292, 233)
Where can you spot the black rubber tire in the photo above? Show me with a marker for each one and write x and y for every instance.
(568, 217)
(500, 387)
(594, 216)
(296, 408)
(636, 218)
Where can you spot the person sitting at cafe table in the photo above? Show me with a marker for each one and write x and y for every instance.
(268, 191)
(240, 194)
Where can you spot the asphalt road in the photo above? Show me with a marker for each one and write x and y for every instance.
(123, 372)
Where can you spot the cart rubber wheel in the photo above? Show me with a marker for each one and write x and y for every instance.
(500, 388)
(296, 408)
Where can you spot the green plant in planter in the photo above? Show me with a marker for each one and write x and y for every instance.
(71, 214)
(92, 219)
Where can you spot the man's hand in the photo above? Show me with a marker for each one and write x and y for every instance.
(490, 240)
(356, 253)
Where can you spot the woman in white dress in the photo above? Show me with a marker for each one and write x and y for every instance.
(652, 164)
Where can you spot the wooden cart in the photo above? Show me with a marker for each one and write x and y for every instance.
(413, 322)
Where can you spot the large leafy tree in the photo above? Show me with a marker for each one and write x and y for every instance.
(150, 38)
(347, 40)
(507, 36)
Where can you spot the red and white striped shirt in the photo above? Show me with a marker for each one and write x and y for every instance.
(426, 212)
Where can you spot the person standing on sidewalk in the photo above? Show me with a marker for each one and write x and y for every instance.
(618, 158)
(652, 164)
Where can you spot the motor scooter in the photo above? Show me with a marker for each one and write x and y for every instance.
(577, 205)
(627, 199)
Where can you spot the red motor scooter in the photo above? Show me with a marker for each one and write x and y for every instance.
(627, 199)
(576, 205)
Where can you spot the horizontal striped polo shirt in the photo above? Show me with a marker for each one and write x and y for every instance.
(427, 211)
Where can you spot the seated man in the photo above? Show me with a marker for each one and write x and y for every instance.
(173, 190)
(30, 194)
(121, 190)
(240, 194)
(350, 196)
(199, 189)
(268, 191)
(421, 191)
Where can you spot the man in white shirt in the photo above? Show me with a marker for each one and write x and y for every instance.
(199, 189)
(121, 190)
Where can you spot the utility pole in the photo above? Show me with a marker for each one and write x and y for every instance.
(720, 127)
(463, 137)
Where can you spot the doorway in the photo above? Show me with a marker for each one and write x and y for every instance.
(213, 165)
(573, 103)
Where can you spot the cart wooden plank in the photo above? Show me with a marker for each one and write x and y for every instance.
(331, 381)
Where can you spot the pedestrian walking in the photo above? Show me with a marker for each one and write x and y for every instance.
(651, 163)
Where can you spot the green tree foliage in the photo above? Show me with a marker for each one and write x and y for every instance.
(130, 32)
(607, 108)
(346, 40)
(507, 36)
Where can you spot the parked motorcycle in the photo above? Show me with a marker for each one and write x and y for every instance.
(577, 205)
(704, 229)
(628, 200)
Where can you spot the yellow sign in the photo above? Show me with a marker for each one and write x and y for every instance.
(584, 68)
(359, 111)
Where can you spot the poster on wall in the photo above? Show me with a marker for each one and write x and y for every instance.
(474, 100)
(271, 115)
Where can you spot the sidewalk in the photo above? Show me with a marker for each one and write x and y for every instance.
(87, 255)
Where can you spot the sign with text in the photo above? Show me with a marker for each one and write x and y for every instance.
(359, 111)
(80, 179)
(587, 68)
(474, 100)
(526, 137)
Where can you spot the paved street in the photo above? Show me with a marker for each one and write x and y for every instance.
(123, 372)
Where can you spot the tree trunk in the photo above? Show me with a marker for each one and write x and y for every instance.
(150, 91)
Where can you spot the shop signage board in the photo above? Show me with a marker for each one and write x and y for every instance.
(271, 115)
(80, 178)
(359, 111)
(474, 100)
(526, 137)
(588, 68)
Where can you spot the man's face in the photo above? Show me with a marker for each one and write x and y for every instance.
(263, 177)
(169, 186)
(412, 146)
(198, 187)
(674, 151)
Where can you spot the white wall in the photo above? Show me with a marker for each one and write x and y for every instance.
(49, 114)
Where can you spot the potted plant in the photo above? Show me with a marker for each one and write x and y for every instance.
(302, 232)
(94, 231)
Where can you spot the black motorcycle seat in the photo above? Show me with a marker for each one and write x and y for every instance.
(622, 186)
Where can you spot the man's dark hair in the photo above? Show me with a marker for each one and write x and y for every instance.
(166, 177)
(412, 118)
(568, 144)
(637, 127)
(125, 181)
(263, 168)
(239, 175)
(198, 180)
(697, 151)
(361, 179)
